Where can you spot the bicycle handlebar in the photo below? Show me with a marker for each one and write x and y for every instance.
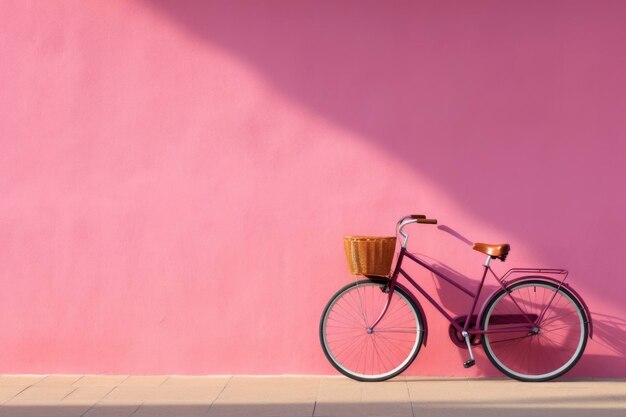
(417, 218)
(412, 218)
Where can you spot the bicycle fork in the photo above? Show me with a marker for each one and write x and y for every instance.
(390, 288)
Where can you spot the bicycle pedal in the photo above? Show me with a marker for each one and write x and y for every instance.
(469, 363)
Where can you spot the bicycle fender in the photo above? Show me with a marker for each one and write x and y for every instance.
(381, 280)
(547, 279)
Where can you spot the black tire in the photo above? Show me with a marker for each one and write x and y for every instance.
(556, 341)
(389, 348)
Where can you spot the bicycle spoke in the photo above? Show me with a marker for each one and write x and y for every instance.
(565, 326)
(408, 330)
(510, 339)
(555, 318)
(362, 307)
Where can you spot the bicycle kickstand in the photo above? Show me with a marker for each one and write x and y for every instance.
(470, 362)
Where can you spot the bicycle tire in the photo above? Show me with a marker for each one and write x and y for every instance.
(555, 344)
(371, 356)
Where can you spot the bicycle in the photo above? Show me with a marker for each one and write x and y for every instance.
(533, 327)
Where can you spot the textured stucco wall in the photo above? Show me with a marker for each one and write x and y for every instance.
(176, 177)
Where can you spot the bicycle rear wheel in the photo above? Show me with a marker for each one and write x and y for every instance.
(547, 349)
(367, 354)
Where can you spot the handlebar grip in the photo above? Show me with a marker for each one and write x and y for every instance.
(427, 221)
(418, 216)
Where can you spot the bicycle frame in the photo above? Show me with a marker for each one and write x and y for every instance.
(530, 320)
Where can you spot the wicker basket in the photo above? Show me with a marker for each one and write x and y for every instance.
(369, 255)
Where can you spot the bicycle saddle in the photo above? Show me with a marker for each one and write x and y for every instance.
(499, 250)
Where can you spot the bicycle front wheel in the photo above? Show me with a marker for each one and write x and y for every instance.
(555, 332)
(366, 354)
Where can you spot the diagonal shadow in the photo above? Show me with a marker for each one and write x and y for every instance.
(464, 96)
(521, 128)
(321, 54)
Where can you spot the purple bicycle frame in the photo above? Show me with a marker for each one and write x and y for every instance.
(531, 319)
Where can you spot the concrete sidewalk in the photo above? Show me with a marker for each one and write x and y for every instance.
(174, 396)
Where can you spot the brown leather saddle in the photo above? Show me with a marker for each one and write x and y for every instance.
(499, 250)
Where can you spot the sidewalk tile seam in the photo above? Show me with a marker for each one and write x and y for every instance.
(317, 395)
(69, 393)
(219, 394)
(136, 409)
(97, 402)
(17, 394)
(408, 391)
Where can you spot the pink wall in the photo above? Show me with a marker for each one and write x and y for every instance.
(176, 177)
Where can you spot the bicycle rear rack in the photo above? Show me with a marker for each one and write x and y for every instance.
(554, 275)
(546, 271)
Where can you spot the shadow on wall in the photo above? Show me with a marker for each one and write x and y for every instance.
(611, 333)
(522, 127)
(514, 110)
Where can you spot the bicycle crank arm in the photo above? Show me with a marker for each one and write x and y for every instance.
(471, 361)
